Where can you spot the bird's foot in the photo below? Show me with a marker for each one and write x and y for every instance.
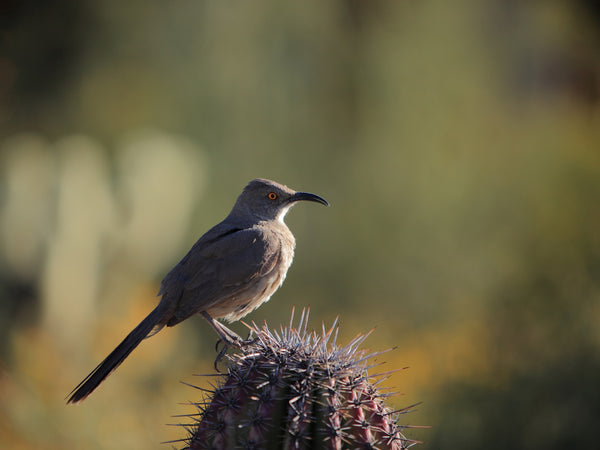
(228, 341)
(238, 343)
(220, 356)
(227, 337)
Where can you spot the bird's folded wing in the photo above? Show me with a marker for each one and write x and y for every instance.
(223, 267)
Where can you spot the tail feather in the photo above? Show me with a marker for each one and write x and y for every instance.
(117, 356)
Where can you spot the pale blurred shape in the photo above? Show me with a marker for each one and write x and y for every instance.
(160, 176)
(84, 219)
(28, 182)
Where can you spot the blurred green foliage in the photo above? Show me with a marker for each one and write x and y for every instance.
(459, 146)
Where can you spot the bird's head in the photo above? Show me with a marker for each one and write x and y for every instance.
(267, 200)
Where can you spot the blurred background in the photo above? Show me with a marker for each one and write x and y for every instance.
(458, 143)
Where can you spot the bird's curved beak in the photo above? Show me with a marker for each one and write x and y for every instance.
(309, 197)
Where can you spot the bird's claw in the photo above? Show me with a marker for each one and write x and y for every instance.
(231, 342)
(220, 357)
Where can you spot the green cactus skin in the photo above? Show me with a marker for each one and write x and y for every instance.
(297, 390)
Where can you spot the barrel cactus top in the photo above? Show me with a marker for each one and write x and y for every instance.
(294, 389)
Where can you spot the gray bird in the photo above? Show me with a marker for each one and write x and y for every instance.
(231, 270)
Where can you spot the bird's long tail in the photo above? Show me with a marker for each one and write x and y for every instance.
(117, 356)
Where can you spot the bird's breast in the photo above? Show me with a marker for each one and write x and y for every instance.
(265, 286)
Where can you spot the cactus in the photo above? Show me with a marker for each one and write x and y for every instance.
(297, 390)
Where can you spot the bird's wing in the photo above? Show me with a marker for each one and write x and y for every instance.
(220, 267)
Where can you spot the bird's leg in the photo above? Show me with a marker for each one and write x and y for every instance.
(228, 337)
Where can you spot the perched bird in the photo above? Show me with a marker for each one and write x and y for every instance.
(231, 270)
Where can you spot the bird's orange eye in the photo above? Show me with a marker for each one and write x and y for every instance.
(272, 196)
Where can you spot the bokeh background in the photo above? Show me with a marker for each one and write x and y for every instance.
(457, 141)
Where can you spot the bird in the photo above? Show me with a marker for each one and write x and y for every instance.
(230, 271)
